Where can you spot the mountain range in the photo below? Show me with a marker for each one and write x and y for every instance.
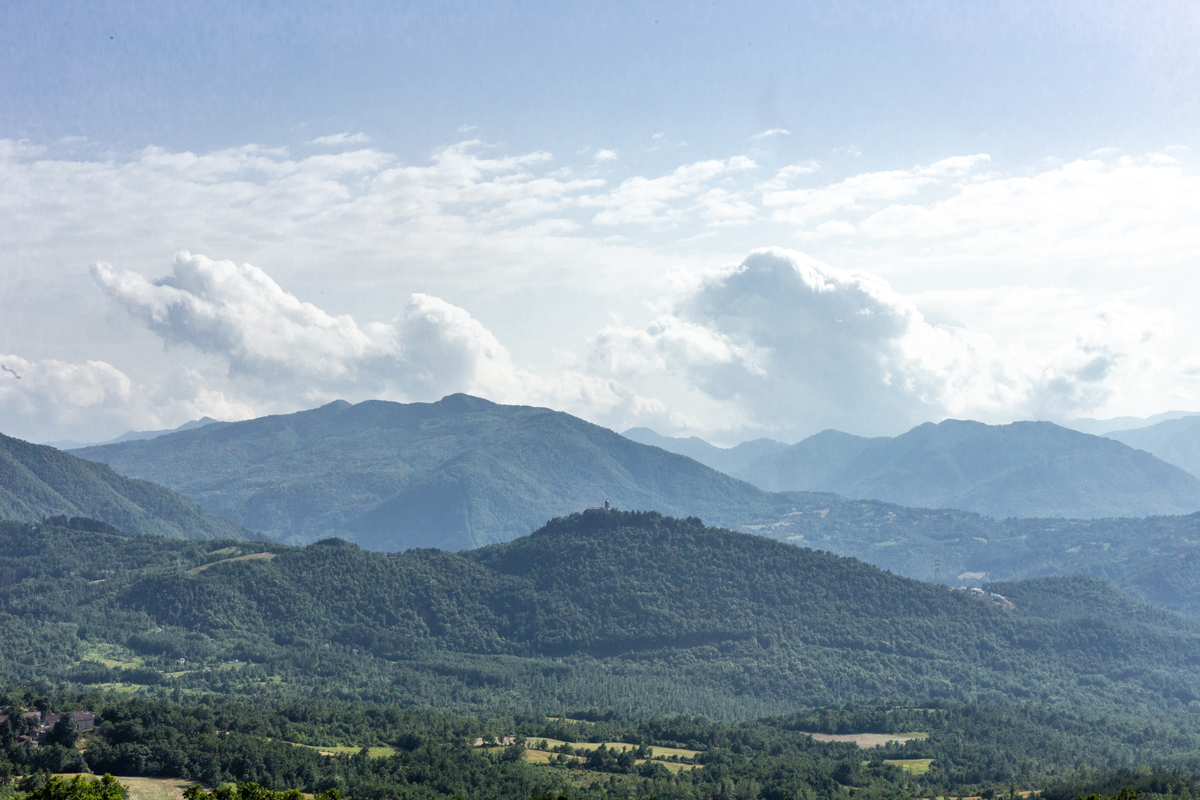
(454, 474)
(37, 481)
(1025, 469)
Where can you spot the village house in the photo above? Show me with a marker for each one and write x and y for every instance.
(84, 721)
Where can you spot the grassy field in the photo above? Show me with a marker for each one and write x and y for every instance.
(151, 788)
(867, 740)
(620, 747)
(542, 757)
(913, 766)
(203, 567)
(111, 655)
(349, 750)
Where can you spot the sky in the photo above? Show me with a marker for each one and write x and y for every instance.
(714, 219)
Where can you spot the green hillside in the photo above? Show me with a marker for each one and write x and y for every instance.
(1154, 559)
(637, 613)
(38, 481)
(1025, 469)
(455, 474)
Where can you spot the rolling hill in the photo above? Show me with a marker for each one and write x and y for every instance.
(454, 474)
(1175, 441)
(37, 481)
(634, 612)
(1025, 469)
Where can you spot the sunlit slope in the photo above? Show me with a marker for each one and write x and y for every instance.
(453, 474)
(1026, 469)
(644, 611)
(37, 481)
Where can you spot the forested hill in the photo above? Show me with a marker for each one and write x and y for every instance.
(1025, 469)
(633, 612)
(38, 481)
(454, 474)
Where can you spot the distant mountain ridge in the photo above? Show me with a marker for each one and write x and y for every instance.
(1103, 427)
(1175, 441)
(723, 459)
(455, 474)
(38, 481)
(133, 436)
(1024, 469)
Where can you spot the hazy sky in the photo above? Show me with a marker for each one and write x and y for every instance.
(732, 220)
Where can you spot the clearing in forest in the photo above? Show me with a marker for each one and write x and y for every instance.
(867, 740)
(147, 788)
(247, 557)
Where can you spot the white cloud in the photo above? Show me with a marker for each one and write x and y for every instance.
(1099, 250)
(336, 139)
(51, 399)
(861, 191)
(648, 201)
(607, 155)
(280, 350)
(796, 346)
(772, 132)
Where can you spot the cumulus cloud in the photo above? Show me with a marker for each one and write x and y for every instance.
(1088, 254)
(795, 346)
(772, 132)
(266, 334)
(336, 139)
(278, 347)
(50, 399)
(606, 155)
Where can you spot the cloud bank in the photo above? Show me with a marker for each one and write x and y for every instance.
(955, 288)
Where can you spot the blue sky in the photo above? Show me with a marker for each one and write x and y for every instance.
(900, 81)
(532, 202)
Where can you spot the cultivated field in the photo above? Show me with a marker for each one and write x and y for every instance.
(149, 788)
(867, 740)
(620, 747)
(349, 750)
(913, 766)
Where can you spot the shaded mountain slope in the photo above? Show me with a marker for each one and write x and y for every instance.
(37, 481)
(723, 459)
(1025, 469)
(454, 474)
(624, 610)
(810, 463)
(1175, 441)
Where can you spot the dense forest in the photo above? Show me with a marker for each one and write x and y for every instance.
(38, 481)
(632, 612)
(606, 655)
(363, 751)
(1156, 559)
